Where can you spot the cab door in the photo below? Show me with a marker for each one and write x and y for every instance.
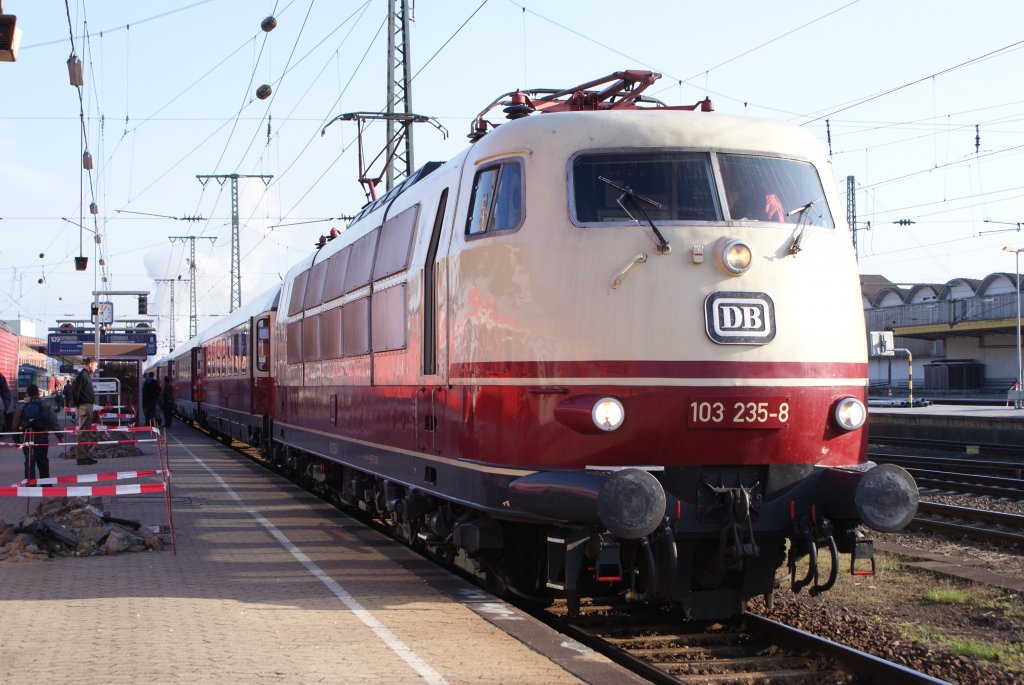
(432, 394)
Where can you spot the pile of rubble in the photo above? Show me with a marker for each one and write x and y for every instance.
(111, 451)
(73, 527)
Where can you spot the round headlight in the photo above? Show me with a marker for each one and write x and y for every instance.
(608, 413)
(737, 256)
(850, 413)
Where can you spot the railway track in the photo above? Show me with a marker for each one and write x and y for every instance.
(669, 650)
(952, 446)
(977, 524)
(961, 474)
(958, 463)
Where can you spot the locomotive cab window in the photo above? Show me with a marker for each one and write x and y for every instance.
(771, 189)
(607, 186)
(497, 200)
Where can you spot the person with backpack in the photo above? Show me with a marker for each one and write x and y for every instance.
(35, 419)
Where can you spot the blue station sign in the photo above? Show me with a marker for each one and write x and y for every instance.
(73, 344)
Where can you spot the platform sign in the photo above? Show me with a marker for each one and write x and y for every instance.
(67, 344)
(882, 344)
(105, 386)
(113, 345)
(147, 339)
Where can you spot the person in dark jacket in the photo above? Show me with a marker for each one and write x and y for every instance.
(167, 400)
(84, 398)
(7, 400)
(36, 421)
(150, 398)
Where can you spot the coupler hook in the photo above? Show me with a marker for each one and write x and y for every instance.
(817, 589)
(812, 558)
(732, 547)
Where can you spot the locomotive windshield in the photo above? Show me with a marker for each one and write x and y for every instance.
(771, 189)
(683, 183)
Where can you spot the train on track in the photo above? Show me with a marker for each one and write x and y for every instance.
(613, 347)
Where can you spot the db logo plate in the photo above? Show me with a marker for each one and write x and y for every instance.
(738, 318)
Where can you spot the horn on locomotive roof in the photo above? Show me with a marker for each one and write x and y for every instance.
(623, 90)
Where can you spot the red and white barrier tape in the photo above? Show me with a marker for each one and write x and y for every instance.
(75, 431)
(94, 491)
(91, 477)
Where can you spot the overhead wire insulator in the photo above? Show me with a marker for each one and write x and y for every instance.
(268, 24)
(94, 208)
(75, 70)
(263, 92)
(87, 160)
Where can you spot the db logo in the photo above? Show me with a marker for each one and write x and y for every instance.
(736, 318)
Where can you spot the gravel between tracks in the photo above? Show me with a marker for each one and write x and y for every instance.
(953, 629)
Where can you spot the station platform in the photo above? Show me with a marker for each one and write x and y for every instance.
(972, 423)
(267, 584)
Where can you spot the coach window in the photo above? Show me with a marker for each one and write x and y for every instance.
(497, 200)
(263, 344)
(773, 189)
(680, 183)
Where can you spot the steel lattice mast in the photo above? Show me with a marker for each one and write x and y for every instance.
(193, 329)
(236, 260)
(172, 281)
(399, 96)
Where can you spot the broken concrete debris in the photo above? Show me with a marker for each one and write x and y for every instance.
(71, 526)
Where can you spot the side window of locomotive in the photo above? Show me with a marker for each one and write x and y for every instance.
(682, 183)
(772, 189)
(298, 293)
(497, 200)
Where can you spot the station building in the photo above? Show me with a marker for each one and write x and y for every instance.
(962, 336)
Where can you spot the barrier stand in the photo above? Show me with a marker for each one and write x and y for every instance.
(48, 487)
(165, 466)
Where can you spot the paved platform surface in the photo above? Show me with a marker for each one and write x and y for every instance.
(268, 585)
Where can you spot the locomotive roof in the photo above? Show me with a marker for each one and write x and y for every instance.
(570, 131)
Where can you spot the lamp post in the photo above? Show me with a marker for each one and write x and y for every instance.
(1020, 368)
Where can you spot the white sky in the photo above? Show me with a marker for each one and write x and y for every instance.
(172, 96)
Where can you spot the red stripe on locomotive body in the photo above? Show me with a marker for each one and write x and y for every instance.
(515, 425)
(512, 426)
(643, 369)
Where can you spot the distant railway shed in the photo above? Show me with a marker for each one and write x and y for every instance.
(962, 335)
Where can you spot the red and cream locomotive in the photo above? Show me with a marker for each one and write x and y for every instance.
(611, 347)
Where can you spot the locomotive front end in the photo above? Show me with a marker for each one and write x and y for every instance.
(677, 321)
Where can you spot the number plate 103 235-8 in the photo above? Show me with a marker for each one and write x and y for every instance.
(738, 412)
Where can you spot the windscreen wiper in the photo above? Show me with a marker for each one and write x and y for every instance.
(627, 193)
(801, 227)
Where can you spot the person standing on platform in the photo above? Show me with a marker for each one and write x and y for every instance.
(8, 404)
(36, 419)
(167, 400)
(84, 398)
(150, 398)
